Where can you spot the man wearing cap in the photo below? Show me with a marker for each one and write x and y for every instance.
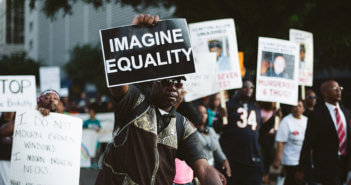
(149, 134)
(48, 102)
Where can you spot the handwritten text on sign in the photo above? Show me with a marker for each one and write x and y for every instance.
(46, 150)
(17, 92)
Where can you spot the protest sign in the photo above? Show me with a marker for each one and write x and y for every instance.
(107, 121)
(305, 41)
(137, 53)
(46, 150)
(204, 82)
(277, 67)
(50, 78)
(219, 36)
(17, 93)
(88, 148)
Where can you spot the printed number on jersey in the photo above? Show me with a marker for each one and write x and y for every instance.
(247, 119)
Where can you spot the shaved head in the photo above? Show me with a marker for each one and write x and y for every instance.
(331, 91)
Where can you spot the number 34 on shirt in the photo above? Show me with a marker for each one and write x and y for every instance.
(247, 119)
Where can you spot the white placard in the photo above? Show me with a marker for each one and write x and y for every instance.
(17, 93)
(50, 78)
(305, 41)
(107, 121)
(219, 36)
(277, 71)
(88, 148)
(204, 81)
(46, 150)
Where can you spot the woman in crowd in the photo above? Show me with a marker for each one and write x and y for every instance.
(290, 137)
(209, 142)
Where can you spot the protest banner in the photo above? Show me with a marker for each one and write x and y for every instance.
(305, 41)
(46, 150)
(204, 82)
(50, 78)
(17, 93)
(137, 53)
(219, 36)
(107, 121)
(88, 148)
(277, 71)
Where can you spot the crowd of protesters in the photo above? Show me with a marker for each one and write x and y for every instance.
(155, 131)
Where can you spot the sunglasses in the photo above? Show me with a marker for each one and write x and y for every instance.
(337, 88)
(169, 82)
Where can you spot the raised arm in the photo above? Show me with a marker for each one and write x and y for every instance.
(7, 129)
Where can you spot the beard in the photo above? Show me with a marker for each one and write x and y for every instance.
(51, 106)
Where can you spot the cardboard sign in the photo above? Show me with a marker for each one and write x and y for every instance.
(17, 93)
(305, 41)
(204, 82)
(138, 53)
(50, 78)
(277, 71)
(46, 150)
(219, 36)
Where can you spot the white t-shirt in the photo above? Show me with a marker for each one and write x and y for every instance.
(292, 133)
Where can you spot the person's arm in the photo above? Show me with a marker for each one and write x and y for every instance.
(280, 147)
(207, 174)
(142, 20)
(7, 129)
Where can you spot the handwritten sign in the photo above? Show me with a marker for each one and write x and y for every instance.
(50, 78)
(46, 150)
(17, 93)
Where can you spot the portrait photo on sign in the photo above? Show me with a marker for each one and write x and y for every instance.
(220, 46)
(277, 65)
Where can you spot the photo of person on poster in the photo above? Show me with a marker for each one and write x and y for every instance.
(223, 59)
(277, 65)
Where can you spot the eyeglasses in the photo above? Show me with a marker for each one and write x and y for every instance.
(169, 82)
(337, 88)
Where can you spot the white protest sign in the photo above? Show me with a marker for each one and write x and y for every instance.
(46, 150)
(277, 71)
(219, 36)
(17, 93)
(204, 81)
(107, 121)
(88, 148)
(305, 41)
(50, 78)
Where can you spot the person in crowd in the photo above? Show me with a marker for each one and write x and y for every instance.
(267, 136)
(92, 122)
(209, 142)
(239, 140)
(311, 100)
(327, 138)
(290, 136)
(149, 134)
(48, 101)
(6, 131)
(213, 108)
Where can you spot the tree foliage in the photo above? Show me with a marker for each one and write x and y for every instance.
(327, 20)
(86, 66)
(19, 64)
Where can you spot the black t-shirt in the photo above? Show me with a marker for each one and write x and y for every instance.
(188, 148)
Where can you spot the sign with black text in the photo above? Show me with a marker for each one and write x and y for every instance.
(46, 150)
(137, 53)
(17, 92)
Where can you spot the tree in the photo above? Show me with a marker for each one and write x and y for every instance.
(19, 64)
(327, 20)
(86, 66)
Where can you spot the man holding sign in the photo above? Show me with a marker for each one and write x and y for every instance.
(149, 135)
